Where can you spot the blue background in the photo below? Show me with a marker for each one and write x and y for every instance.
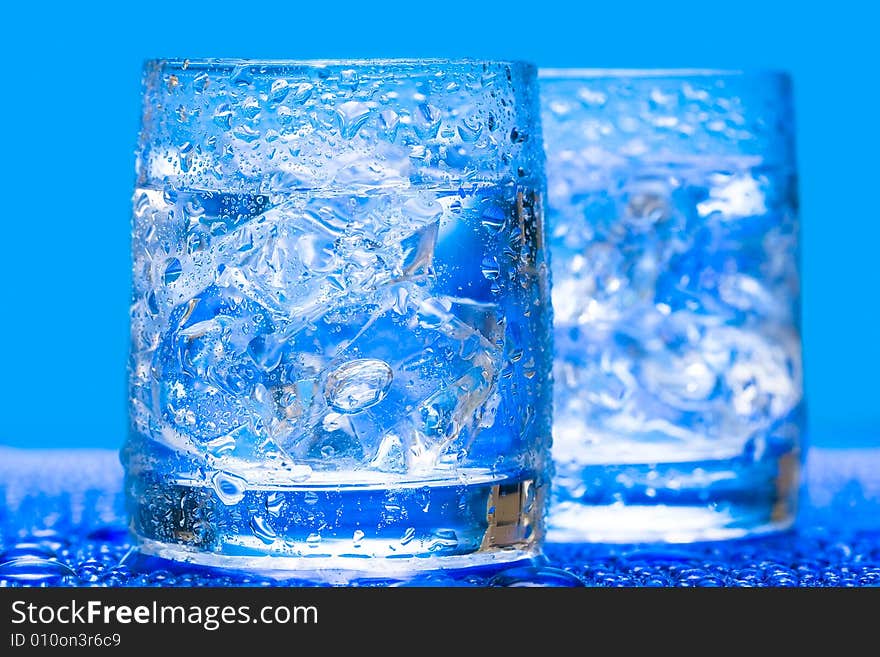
(69, 112)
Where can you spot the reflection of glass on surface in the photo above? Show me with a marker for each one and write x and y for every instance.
(340, 315)
(678, 379)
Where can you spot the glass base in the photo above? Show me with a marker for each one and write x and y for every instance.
(340, 570)
(677, 502)
(355, 528)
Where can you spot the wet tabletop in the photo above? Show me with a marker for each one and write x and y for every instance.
(62, 524)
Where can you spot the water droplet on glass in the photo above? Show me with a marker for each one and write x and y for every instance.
(302, 92)
(443, 539)
(230, 488)
(262, 530)
(274, 504)
(279, 90)
(173, 270)
(408, 535)
(490, 268)
(185, 156)
(352, 115)
(223, 116)
(470, 130)
(357, 537)
(311, 497)
(246, 133)
(358, 384)
(389, 120)
(201, 82)
(250, 107)
(152, 303)
(349, 79)
(313, 540)
(493, 217)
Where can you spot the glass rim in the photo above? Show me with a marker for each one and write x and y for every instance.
(564, 73)
(202, 63)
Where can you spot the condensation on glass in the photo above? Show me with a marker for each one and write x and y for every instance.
(340, 344)
(678, 378)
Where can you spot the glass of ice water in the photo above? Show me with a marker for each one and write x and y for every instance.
(340, 320)
(674, 232)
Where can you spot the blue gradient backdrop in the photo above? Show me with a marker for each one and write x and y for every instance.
(69, 111)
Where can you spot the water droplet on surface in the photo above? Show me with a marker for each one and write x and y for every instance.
(430, 580)
(230, 488)
(358, 384)
(173, 270)
(535, 576)
(34, 569)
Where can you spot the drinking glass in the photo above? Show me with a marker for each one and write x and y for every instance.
(340, 344)
(674, 234)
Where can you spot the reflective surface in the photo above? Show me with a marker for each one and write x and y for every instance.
(62, 523)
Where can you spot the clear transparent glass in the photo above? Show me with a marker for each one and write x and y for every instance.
(674, 232)
(341, 320)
